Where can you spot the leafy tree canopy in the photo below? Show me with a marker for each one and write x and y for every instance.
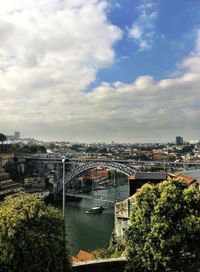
(2, 137)
(14, 170)
(27, 149)
(76, 147)
(164, 234)
(31, 236)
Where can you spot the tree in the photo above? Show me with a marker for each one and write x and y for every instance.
(164, 233)
(14, 169)
(27, 149)
(31, 236)
(2, 137)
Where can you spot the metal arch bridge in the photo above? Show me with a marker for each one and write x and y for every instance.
(58, 160)
(77, 170)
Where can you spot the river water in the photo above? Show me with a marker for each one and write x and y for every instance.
(91, 231)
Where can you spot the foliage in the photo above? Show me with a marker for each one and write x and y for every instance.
(52, 146)
(102, 150)
(142, 157)
(91, 149)
(14, 170)
(164, 234)
(27, 149)
(76, 147)
(108, 252)
(2, 137)
(31, 236)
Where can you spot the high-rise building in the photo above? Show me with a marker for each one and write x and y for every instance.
(17, 135)
(179, 140)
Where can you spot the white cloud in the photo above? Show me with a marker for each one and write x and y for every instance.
(136, 32)
(50, 54)
(143, 29)
(147, 109)
(50, 51)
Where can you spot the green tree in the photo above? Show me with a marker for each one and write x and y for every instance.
(31, 236)
(27, 149)
(2, 137)
(14, 170)
(164, 233)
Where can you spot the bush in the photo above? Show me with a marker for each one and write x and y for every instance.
(31, 236)
(164, 233)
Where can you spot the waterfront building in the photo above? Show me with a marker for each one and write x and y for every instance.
(122, 218)
(136, 182)
(94, 176)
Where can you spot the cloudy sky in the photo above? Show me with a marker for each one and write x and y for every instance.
(100, 70)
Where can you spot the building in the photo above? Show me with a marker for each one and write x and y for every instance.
(179, 140)
(123, 208)
(122, 218)
(36, 185)
(14, 137)
(9, 137)
(17, 135)
(7, 185)
(136, 182)
(190, 180)
(94, 176)
(82, 256)
(5, 148)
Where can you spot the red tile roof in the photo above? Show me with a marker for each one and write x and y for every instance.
(186, 178)
(85, 256)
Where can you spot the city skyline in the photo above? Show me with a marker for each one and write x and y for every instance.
(97, 71)
(17, 137)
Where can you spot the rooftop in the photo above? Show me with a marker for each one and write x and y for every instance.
(151, 175)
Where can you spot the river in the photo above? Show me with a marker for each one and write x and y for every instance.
(91, 231)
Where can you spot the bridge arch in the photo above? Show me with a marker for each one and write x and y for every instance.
(77, 170)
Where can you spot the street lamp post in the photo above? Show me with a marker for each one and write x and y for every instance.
(63, 161)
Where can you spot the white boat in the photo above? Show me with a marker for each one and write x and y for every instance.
(97, 209)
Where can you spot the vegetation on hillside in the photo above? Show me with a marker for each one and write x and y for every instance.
(27, 149)
(112, 251)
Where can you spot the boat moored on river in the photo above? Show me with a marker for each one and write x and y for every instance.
(97, 209)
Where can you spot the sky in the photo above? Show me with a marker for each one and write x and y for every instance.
(100, 70)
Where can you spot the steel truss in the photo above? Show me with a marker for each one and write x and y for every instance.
(80, 168)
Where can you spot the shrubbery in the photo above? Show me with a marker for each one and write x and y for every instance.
(164, 234)
(32, 236)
